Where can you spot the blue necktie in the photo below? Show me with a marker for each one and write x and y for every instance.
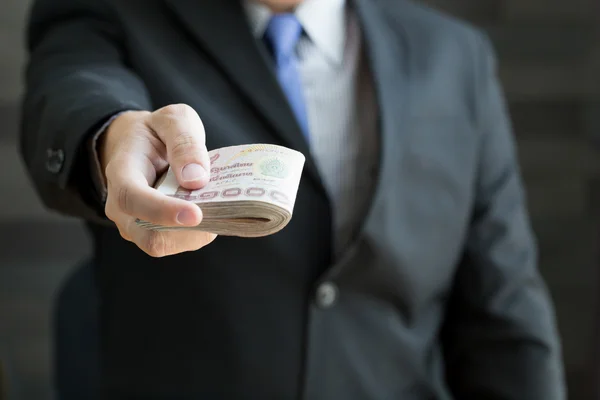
(282, 34)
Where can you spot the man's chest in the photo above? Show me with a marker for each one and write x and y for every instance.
(407, 139)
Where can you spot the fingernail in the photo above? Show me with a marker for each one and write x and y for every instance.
(186, 217)
(193, 172)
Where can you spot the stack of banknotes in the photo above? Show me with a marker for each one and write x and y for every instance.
(251, 192)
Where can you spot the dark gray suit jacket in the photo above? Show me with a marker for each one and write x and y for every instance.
(438, 298)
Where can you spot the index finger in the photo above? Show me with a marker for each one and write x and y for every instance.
(130, 194)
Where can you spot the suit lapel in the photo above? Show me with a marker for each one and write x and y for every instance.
(244, 60)
(385, 42)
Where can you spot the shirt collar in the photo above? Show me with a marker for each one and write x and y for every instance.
(324, 21)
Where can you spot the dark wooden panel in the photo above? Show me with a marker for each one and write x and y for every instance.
(540, 42)
(9, 120)
(480, 11)
(548, 117)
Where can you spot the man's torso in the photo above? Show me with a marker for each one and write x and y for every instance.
(278, 317)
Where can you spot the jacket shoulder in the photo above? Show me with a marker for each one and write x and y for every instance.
(433, 25)
(443, 49)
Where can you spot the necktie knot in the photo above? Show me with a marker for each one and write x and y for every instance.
(283, 33)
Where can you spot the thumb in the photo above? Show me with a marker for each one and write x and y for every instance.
(181, 130)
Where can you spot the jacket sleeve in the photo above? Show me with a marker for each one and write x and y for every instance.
(500, 337)
(76, 79)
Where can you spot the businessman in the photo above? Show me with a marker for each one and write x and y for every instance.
(409, 268)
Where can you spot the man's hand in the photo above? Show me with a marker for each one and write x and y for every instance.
(137, 147)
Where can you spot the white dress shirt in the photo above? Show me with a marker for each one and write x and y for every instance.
(340, 103)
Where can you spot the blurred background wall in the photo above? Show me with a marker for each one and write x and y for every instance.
(550, 65)
(37, 248)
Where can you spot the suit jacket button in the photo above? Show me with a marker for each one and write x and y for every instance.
(327, 294)
(55, 160)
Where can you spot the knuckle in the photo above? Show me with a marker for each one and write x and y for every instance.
(177, 111)
(123, 233)
(178, 117)
(113, 214)
(114, 172)
(155, 244)
(185, 145)
(110, 170)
